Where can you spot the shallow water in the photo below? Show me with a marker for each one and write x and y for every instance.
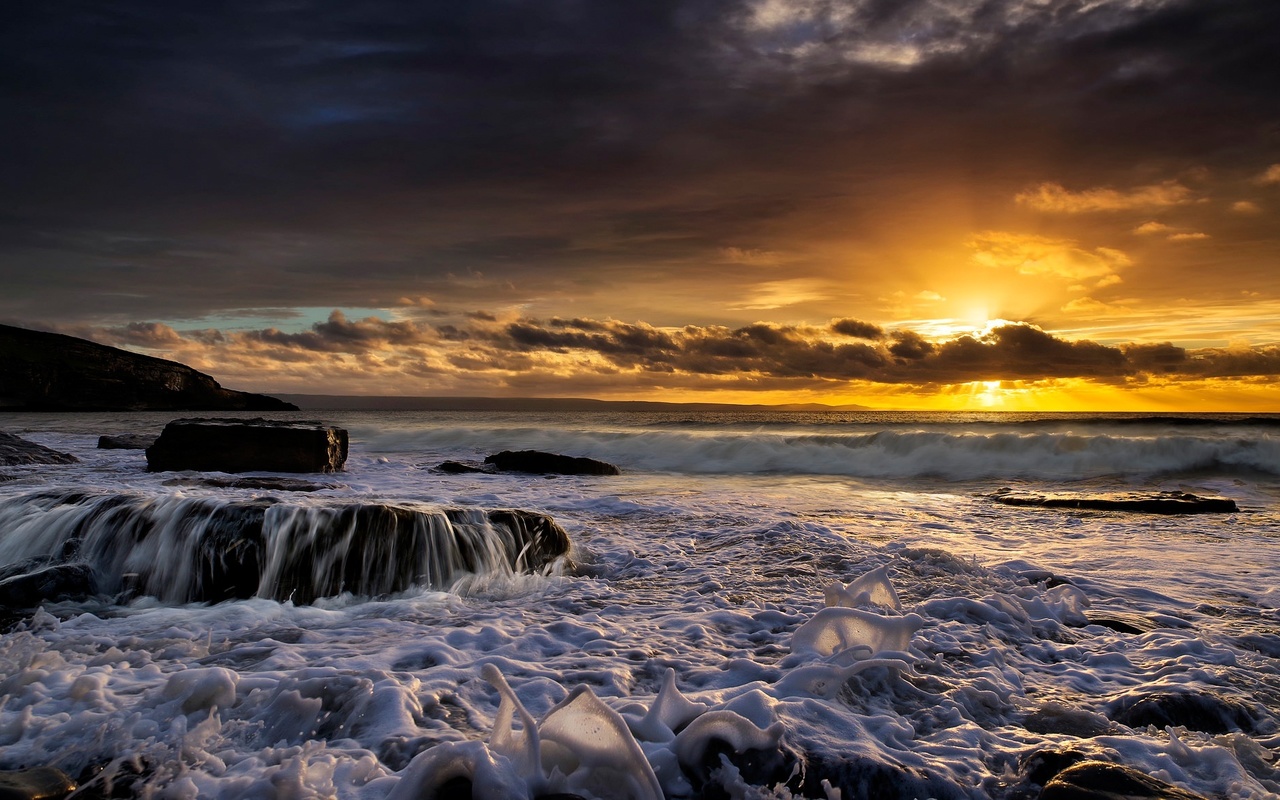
(704, 558)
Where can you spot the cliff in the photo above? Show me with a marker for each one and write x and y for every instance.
(50, 372)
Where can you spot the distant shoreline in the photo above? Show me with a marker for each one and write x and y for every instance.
(321, 402)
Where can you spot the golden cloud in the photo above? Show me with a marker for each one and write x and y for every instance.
(1028, 254)
(1055, 198)
(1270, 176)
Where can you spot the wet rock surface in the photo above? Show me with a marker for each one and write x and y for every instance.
(1097, 780)
(248, 445)
(16, 451)
(1140, 502)
(1193, 711)
(23, 589)
(542, 463)
(216, 550)
(125, 441)
(37, 783)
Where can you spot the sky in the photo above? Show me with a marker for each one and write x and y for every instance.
(911, 204)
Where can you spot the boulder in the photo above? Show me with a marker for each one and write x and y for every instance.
(248, 445)
(541, 463)
(125, 441)
(47, 583)
(461, 468)
(42, 371)
(1193, 711)
(216, 549)
(1143, 502)
(15, 450)
(37, 783)
(1098, 780)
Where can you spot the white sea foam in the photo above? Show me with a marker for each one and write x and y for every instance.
(688, 620)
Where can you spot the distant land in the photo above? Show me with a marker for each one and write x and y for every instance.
(321, 402)
(41, 371)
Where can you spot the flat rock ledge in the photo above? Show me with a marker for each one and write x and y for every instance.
(16, 451)
(248, 445)
(125, 441)
(549, 463)
(1141, 502)
(535, 462)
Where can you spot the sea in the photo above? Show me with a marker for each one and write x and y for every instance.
(761, 605)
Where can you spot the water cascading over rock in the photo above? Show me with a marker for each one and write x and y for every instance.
(193, 549)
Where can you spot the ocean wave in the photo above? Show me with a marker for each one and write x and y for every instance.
(1054, 455)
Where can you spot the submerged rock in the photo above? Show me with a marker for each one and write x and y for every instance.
(1098, 780)
(125, 441)
(49, 582)
(195, 549)
(538, 462)
(15, 450)
(1193, 711)
(1143, 502)
(37, 783)
(1077, 722)
(248, 445)
(461, 468)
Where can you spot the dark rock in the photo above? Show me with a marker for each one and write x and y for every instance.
(223, 550)
(1041, 766)
(1097, 780)
(248, 445)
(1077, 722)
(541, 463)
(15, 450)
(48, 583)
(50, 372)
(268, 484)
(461, 468)
(1197, 712)
(1123, 623)
(37, 783)
(125, 441)
(862, 777)
(1144, 502)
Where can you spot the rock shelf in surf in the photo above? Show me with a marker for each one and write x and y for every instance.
(248, 445)
(1142, 502)
(15, 450)
(192, 549)
(535, 462)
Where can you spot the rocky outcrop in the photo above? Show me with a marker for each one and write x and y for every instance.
(193, 549)
(49, 582)
(541, 463)
(1143, 502)
(50, 372)
(1097, 780)
(1192, 710)
(15, 450)
(125, 441)
(248, 445)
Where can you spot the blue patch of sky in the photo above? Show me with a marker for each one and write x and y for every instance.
(288, 320)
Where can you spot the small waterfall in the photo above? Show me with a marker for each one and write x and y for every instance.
(199, 549)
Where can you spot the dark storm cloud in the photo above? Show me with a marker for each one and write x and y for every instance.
(1007, 352)
(157, 144)
(340, 335)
